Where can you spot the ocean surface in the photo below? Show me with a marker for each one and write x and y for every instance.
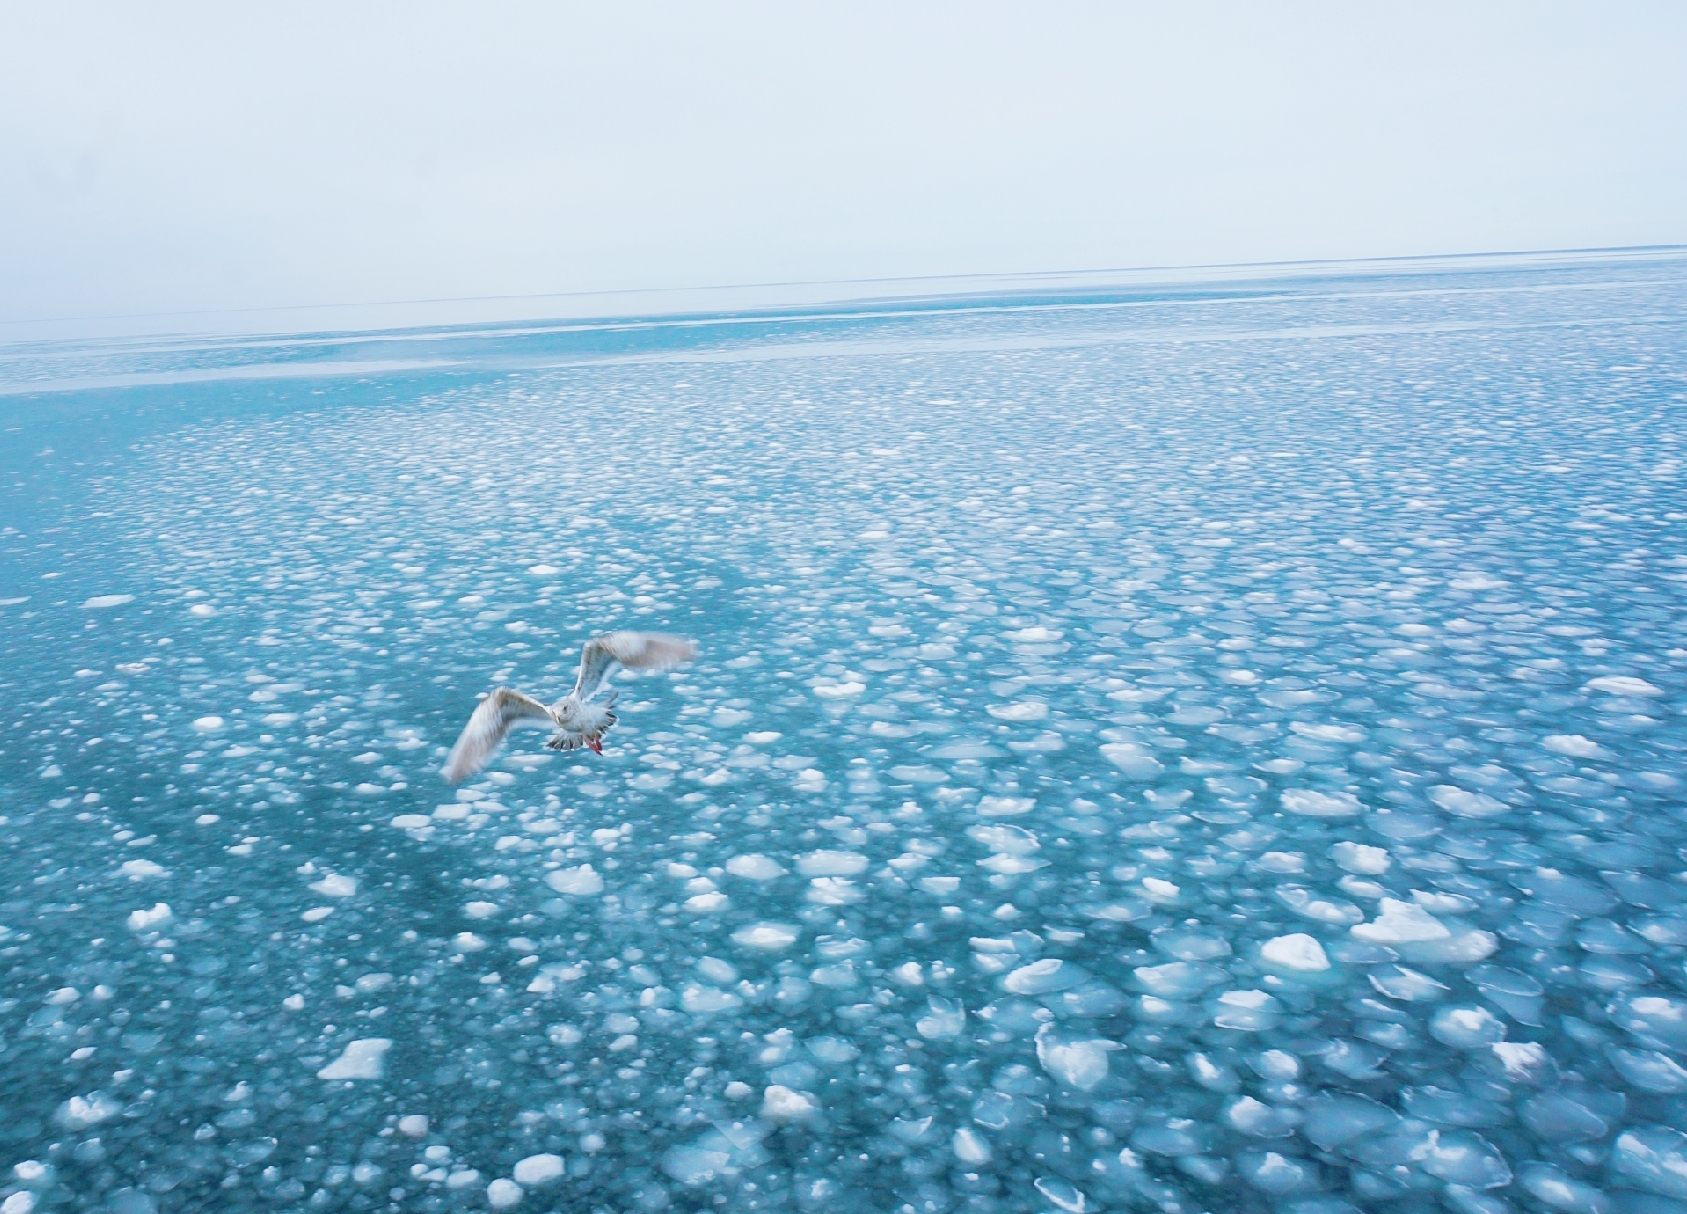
(1203, 748)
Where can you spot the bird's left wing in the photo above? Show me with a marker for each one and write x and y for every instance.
(497, 714)
(634, 650)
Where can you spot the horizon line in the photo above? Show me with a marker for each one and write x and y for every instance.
(1188, 268)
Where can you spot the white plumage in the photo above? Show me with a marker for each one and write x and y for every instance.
(577, 719)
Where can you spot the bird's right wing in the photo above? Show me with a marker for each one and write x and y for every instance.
(634, 650)
(497, 714)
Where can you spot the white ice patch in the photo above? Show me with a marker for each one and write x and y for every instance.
(1310, 803)
(1298, 951)
(754, 867)
(1575, 746)
(538, 1169)
(831, 864)
(1401, 922)
(362, 1059)
(1623, 685)
(1466, 804)
(1133, 759)
(1361, 858)
(139, 870)
(101, 601)
(147, 920)
(769, 937)
(333, 885)
(580, 882)
(1080, 1064)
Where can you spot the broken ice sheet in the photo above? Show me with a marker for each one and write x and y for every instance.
(1151, 754)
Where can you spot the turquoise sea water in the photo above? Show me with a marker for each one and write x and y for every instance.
(1215, 748)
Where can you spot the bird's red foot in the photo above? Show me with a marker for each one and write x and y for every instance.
(596, 744)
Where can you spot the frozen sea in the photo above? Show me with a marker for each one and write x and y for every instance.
(1206, 748)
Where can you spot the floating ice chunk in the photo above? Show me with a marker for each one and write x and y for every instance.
(80, 1112)
(1460, 1157)
(1648, 1070)
(1004, 807)
(770, 937)
(1298, 951)
(580, 882)
(1311, 803)
(412, 821)
(1461, 948)
(1301, 900)
(542, 571)
(147, 920)
(1575, 746)
(1654, 1020)
(754, 867)
(1399, 922)
(706, 903)
(317, 914)
(1022, 710)
(1246, 1011)
(538, 1169)
(1465, 804)
(333, 885)
(208, 724)
(1467, 1028)
(1398, 982)
(738, 1090)
(1035, 635)
(1334, 1119)
(1275, 1173)
(503, 1193)
(694, 1165)
(831, 864)
(101, 601)
(780, 1103)
(839, 691)
(1041, 977)
(1556, 1188)
(362, 1059)
(414, 1125)
(467, 942)
(721, 973)
(139, 870)
(704, 1000)
(480, 910)
(1654, 1158)
(21, 1202)
(1360, 859)
(1133, 759)
(942, 1019)
(1080, 1064)
(941, 886)
(1523, 1061)
(1011, 840)
(970, 1148)
(1178, 979)
(1065, 1195)
(1328, 733)
(1623, 685)
(1159, 890)
(1258, 1120)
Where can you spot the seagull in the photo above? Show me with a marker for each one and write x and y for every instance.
(578, 721)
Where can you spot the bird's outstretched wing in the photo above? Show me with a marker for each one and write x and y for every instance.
(634, 650)
(498, 713)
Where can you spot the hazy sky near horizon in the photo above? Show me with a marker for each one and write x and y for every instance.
(170, 157)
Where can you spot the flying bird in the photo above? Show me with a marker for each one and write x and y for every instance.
(578, 719)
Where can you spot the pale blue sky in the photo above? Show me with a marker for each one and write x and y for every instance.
(160, 158)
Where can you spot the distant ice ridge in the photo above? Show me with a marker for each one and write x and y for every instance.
(1210, 754)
